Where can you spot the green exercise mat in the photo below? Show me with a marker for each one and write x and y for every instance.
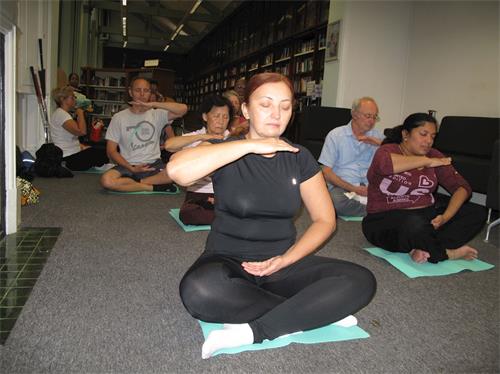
(188, 228)
(351, 218)
(404, 263)
(91, 171)
(325, 334)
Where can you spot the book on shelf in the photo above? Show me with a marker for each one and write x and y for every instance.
(300, 85)
(284, 69)
(284, 54)
(107, 110)
(306, 46)
(305, 65)
(254, 66)
(268, 59)
(243, 68)
(101, 95)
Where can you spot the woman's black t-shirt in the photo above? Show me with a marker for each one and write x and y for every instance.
(256, 199)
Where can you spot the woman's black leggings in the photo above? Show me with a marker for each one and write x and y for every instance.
(311, 293)
(406, 229)
(86, 159)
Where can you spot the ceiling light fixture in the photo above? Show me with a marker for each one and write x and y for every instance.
(165, 49)
(195, 6)
(177, 31)
(124, 26)
(124, 43)
(124, 2)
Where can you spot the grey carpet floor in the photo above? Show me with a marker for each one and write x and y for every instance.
(107, 300)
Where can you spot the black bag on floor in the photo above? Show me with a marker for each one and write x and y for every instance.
(48, 162)
(25, 165)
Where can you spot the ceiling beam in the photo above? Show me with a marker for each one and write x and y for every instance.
(151, 25)
(152, 11)
(212, 9)
(146, 47)
(163, 37)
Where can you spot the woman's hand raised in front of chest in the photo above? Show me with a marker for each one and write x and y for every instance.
(434, 162)
(270, 146)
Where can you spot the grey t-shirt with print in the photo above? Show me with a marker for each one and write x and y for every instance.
(138, 134)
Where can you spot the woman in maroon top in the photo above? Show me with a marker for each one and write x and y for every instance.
(403, 214)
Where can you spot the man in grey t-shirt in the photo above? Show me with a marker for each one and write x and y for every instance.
(133, 142)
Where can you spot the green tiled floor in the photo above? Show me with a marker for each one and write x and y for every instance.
(22, 257)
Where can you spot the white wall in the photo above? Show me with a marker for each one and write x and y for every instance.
(373, 56)
(23, 22)
(454, 59)
(36, 19)
(414, 56)
(8, 18)
(332, 68)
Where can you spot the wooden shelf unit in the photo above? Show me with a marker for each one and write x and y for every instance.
(286, 37)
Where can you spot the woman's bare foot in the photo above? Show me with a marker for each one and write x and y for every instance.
(465, 252)
(419, 256)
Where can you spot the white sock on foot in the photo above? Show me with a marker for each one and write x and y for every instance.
(231, 325)
(348, 321)
(232, 335)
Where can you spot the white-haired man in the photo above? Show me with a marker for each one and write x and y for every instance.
(346, 156)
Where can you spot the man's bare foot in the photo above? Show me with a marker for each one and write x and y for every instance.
(419, 256)
(465, 252)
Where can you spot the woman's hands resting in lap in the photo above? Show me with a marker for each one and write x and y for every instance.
(266, 267)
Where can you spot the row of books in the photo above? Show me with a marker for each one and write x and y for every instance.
(108, 81)
(115, 95)
(107, 109)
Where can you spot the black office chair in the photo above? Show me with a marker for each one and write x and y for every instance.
(192, 121)
(493, 192)
(315, 124)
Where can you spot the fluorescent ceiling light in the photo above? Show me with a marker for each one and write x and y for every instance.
(195, 6)
(164, 49)
(124, 26)
(124, 2)
(124, 44)
(177, 31)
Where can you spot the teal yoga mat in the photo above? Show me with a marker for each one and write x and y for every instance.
(177, 191)
(351, 218)
(188, 228)
(91, 171)
(404, 263)
(325, 334)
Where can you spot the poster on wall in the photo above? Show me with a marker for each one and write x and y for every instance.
(333, 41)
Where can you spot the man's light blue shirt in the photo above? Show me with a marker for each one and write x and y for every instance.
(347, 156)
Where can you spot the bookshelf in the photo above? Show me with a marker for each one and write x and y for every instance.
(288, 37)
(107, 90)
